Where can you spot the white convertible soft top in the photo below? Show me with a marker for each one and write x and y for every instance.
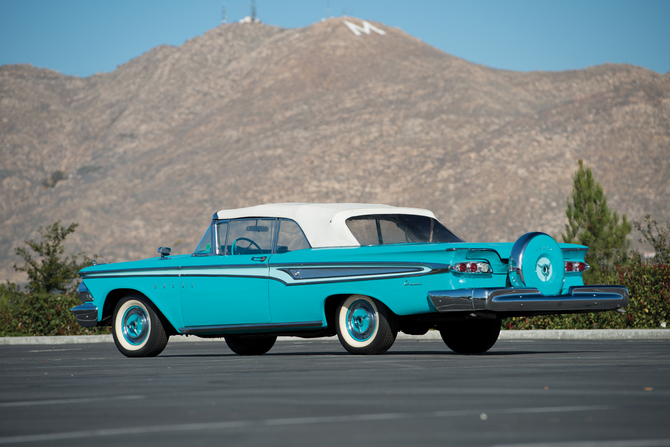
(323, 223)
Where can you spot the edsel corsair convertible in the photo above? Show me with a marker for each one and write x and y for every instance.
(363, 272)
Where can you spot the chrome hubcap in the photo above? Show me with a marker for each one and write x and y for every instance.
(135, 325)
(361, 320)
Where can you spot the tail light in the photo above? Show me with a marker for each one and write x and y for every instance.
(471, 267)
(576, 266)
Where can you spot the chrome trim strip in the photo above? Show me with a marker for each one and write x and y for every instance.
(86, 314)
(237, 328)
(185, 270)
(167, 271)
(212, 238)
(369, 263)
(324, 273)
(468, 248)
(347, 279)
(112, 272)
(298, 273)
(531, 300)
(418, 265)
(286, 273)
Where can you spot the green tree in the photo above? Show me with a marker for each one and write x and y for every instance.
(592, 223)
(658, 238)
(50, 272)
(44, 309)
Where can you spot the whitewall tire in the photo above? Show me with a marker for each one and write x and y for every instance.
(365, 326)
(137, 329)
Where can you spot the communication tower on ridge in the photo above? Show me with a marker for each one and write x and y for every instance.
(224, 16)
(253, 17)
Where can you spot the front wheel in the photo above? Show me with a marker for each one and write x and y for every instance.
(471, 336)
(365, 326)
(250, 345)
(137, 329)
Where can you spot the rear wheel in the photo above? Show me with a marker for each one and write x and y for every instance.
(250, 344)
(137, 329)
(472, 336)
(365, 326)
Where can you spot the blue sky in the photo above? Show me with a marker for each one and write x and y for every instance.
(82, 37)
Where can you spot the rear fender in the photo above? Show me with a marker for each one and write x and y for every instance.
(333, 303)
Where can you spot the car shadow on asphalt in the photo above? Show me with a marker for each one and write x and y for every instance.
(486, 354)
(385, 355)
(270, 354)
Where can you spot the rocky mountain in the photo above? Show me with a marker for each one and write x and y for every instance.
(250, 113)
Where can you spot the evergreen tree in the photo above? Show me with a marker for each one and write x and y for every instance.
(51, 273)
(592, 223)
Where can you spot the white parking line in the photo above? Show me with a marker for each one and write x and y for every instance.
(55, 350)
(618, 443)
(226, 425)
(31, 403)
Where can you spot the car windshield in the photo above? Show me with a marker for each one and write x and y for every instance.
(250, 236)
(383, 229)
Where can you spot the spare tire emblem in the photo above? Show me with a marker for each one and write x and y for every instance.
(545, 270)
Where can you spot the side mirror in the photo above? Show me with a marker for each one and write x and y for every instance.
(164, 251)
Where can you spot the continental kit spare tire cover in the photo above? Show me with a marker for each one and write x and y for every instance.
(537, 261)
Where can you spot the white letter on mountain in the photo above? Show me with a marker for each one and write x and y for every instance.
(365, 29)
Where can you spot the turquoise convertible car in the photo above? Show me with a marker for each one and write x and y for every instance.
(363, 272)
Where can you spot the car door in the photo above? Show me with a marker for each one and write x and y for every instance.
(229, 284)
(292, 301)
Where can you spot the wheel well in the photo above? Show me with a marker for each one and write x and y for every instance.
(115, 296)
(333, 302)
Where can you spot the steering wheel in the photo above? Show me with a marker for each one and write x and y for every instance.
(235, 249)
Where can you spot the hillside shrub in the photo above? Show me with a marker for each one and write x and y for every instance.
(44, 307)
(649, 308)
(55, 177)
(657, 237)
(47, 269)
(26, 314)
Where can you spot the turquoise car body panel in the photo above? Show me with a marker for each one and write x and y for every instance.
(225, 289)
(154, 278)
(202, 290)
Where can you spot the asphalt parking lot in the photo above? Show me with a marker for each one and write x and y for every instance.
(305, 393)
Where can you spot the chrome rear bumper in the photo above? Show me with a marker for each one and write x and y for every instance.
(87, 314)
(519, 301)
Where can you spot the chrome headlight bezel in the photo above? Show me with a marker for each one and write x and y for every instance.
(84, 294)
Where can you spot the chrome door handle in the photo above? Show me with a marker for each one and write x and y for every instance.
(259, 258)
